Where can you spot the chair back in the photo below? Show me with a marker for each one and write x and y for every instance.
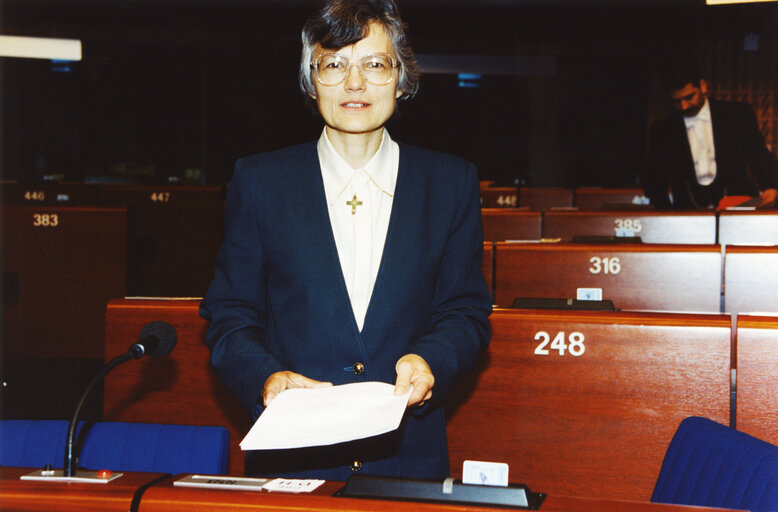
(709, 464)
(119, 446)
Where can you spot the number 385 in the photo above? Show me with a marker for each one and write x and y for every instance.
(574, 343)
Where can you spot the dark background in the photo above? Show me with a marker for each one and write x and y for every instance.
(181, 88)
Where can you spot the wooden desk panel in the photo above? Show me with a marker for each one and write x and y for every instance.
(510, 224)
(651, 227)
(168, 498)
(595, 424)
(28, 496)
(664, 277)
(487, 268)
(545, 198)
(748, 228)
(498, 197)
(757, 377)
(180, 388)
(751, 279)
(61, 265)
(49, 193)
(175, 233)
(595, 198)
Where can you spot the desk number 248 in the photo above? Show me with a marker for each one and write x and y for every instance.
(574, 343)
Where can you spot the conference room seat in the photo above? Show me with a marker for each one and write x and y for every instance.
(709, 464)
(118, 446)
(659, 277)
(757, 376)
(750, 279)
(659, 227)
(759, 227)
(49, 193)
(582, 403)
(502, 224)
(498, 197)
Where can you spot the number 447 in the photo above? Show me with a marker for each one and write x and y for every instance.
(574, 343)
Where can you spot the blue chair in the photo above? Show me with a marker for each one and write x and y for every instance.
(118, 446)
(709, 464)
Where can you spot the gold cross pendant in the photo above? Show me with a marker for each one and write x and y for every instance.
(353, 204)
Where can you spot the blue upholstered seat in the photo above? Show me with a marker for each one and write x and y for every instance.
(147, 447)
(709, 464)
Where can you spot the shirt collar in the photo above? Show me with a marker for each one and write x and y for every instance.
(337, 173)
(702, 115)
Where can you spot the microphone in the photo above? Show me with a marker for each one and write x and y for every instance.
(156, 339)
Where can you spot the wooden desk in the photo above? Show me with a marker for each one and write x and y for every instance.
(757, 377)
(487, 267)
(502, 224)
(63, 264)
(665, 277)
(751, 279)
(167, 498)
(595, 198)
(748, 228)
(49, 193)
(545, 198)
(596, 418)
(175, 233)
(25, 495)
(650, 226)
(498, 197)
(179, 388)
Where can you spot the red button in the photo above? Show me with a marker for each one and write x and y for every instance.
(104, 473)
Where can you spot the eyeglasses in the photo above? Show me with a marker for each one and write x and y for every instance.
(332, 69)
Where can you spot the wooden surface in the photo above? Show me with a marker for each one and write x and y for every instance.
(748, 227)
(502, 224)
(597, 424)
(174, 236)
(545, 198)
(27, 496)
(487, 267)
(650, 226)
(180, 388)
(62, 276)
(499, 197)
(751, 279)
(665, 277)
(167, 498)
(49, 193)
(595, 198)
(757, 377)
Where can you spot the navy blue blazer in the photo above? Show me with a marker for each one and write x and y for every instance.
(742, 160)
(278, 300)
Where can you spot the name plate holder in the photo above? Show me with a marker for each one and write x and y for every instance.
(448, 491)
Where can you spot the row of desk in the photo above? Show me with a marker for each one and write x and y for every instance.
(577, 403)
(660, 277)
(149, 492)
(729, 227)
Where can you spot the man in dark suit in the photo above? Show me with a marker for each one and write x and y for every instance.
(706, 150)
(351, 259)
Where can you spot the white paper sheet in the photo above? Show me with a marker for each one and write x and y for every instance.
(315, 417)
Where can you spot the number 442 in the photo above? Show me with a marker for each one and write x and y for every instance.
(574, 343)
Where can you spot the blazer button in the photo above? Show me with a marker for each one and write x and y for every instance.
(356, 465)
(359, 368)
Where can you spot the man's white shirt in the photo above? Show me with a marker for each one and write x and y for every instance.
(359, 202)
(699, 131)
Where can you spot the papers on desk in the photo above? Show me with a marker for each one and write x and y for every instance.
(297, 418)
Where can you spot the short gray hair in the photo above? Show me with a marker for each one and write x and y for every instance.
(344, 22)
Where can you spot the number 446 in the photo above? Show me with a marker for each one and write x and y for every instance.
(574, 343)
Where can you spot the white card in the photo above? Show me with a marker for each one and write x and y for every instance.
(588, 293)
(292, 485)
(485, 473)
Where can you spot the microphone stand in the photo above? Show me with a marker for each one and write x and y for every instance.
(70, 461)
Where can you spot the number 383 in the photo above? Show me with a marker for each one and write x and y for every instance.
(573, 343)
